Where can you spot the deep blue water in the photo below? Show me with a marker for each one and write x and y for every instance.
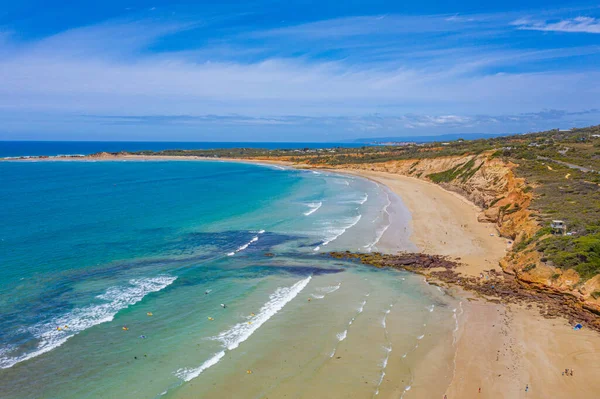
(90, 248)
(34, 148)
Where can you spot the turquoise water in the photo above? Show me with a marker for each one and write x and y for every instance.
(113, 276)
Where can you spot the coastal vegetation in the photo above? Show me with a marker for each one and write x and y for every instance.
(522, 182)
(495, 287)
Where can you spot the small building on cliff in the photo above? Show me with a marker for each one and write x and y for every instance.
(559, 227)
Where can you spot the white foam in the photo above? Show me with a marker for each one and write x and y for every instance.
(316, 296)
(329, 289)
(268, 165)
(187, 374)
(233, 337)
(384, 317)
(420, 337)
(342, 336)
(381, 231)
(336, 233)
(384, 363)
(314, 206)
(80, 319)
(406, 389)
(456, 325)
(246, 245)
(362, 201)
(362, 306)
(379, 383)
(240, 332)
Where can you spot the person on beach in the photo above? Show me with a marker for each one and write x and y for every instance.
(527, 388)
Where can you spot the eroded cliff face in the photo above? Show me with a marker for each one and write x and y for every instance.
(483, 179)
(504, 199)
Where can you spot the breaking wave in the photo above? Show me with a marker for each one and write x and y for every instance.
(113, 300)
(240, 332)
(336, 233)
(314, 206)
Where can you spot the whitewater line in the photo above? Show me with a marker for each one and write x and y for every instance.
(240, 332)
(454, 337)
(329, 240)
(380, 233)
(342, 336)
(388, 350)
(246, 245)
(115, 299)
(314, 207)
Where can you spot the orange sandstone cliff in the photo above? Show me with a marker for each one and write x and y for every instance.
(504, 200)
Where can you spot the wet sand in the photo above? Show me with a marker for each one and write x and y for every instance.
(444, 223)
(500, 349)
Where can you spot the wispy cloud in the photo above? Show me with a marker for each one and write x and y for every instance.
(373, 122)
(352, 74)
(575, 25)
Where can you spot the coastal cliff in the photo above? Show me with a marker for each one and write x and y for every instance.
(505, 200)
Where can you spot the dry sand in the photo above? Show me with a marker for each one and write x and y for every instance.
(444, 223)
(499, 349)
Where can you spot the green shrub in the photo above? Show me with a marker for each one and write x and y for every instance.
(529, 267)
(581, 253)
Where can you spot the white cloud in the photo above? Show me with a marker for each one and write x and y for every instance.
(109, 69)
(579, 24)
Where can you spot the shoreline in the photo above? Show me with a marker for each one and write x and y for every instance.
(499, 348)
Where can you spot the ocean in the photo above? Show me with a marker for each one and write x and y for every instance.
(52, 148)
(163, 279)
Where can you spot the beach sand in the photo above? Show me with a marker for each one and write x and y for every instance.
(444, 223)
(500, 349)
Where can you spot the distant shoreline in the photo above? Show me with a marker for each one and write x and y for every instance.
(496, 345)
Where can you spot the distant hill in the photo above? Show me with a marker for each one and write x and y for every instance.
(429, 139)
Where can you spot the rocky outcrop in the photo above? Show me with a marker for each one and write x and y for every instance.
(496, 287)
(504, 199)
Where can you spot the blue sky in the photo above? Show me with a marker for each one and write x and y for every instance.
(295, 71)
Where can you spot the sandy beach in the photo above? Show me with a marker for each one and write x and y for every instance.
(503, 350)
(506, 351)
